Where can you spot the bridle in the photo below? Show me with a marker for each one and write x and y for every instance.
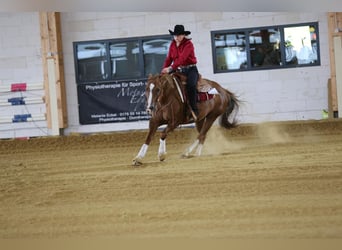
(154, 105)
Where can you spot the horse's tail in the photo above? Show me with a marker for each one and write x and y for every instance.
(228, 118)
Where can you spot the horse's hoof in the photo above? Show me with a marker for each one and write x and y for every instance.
(162, 157)
(186, 155)
(136, 162)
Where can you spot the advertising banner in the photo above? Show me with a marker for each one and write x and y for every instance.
(112, 102)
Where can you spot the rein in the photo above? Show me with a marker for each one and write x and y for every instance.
(168, 108)
(178, 88)
(164, 107)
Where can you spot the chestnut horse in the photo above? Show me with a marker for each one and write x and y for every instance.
(167, 104)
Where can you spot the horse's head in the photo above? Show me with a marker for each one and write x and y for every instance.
(157, 90)
(152, 92)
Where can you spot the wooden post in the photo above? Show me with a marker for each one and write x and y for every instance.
(338, 72)
(332, 83)
(53, 97)
(51, 42)
(334, 29)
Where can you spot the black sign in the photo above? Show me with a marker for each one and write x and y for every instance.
(112, 102)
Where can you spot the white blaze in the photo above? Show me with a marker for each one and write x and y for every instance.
(149, 101)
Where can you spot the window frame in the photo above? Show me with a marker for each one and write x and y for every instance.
(246, 31)
(107, 42)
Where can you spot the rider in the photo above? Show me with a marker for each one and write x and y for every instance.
(181, 57)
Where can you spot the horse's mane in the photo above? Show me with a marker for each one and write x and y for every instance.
(180, 76)
(169, 80)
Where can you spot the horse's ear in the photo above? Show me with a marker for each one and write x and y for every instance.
(150, 76)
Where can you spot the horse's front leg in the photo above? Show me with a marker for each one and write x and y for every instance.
(162, 150)
(162, 142)
(137, 161)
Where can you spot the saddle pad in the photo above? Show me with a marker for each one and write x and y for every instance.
(204, 96)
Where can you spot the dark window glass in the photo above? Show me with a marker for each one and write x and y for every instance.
(124, 58)
(92, 61)
(120, 59)
(265, 47)
(155, 52)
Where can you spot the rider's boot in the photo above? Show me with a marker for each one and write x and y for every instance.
(194, 114)
(193, 104)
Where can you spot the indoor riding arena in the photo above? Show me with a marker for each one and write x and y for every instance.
(275, 180)
(73, 117)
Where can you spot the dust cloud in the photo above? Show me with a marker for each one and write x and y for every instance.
(218, 143)
(270, 133)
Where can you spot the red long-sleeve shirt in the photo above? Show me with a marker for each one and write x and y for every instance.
(182, 55)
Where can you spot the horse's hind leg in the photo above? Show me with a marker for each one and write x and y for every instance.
(203, 127)
(208, 123)
(189, 150)
(195, 144)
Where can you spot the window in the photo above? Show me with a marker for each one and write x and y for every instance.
(155, 52)
(230, 45)
(265, 48)
(91, 62)
(301, 45)
(124, 59)
(119, 59)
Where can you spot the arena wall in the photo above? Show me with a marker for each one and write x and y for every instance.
(268, 95)
(22, 107)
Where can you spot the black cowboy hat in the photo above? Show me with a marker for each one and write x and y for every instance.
(179, 30)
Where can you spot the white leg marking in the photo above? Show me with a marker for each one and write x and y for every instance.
(191, 148)
(149, 101)
(138, 159)
(199, 149)
(142, 151)
(162, 149)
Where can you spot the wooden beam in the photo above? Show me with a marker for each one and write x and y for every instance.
(338, 63)
(51, 43)
(332, 90)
